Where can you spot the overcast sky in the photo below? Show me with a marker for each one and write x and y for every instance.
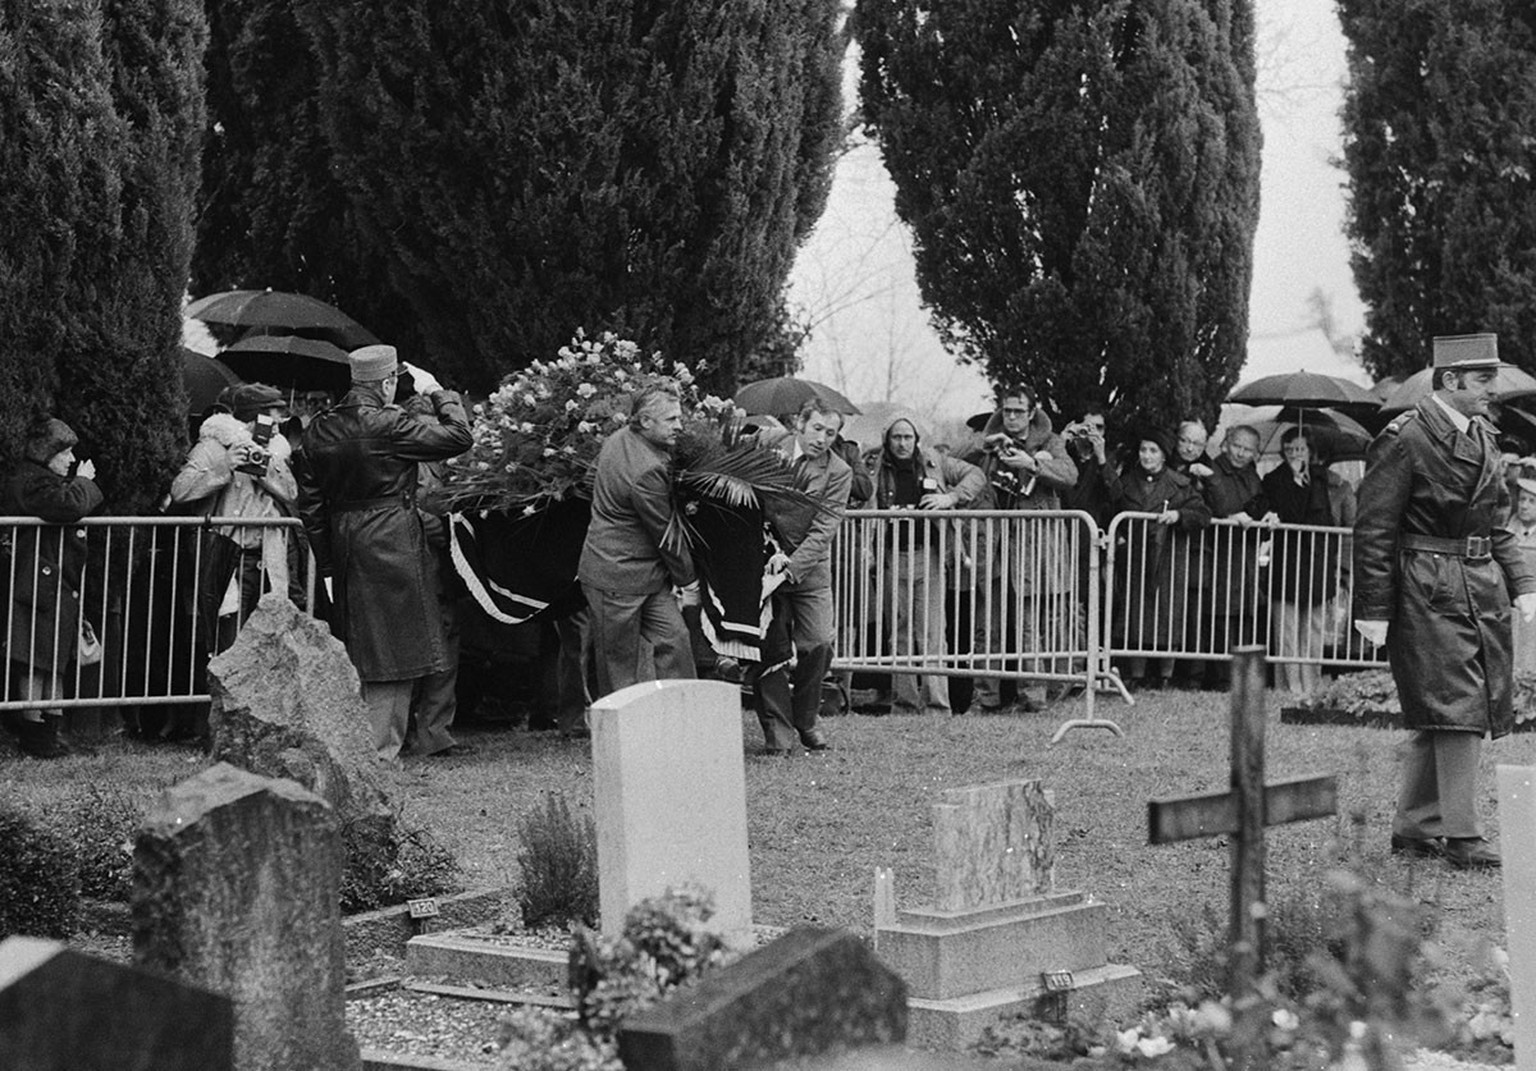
(854, 277)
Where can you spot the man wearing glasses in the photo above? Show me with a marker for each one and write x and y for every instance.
(1024, 570)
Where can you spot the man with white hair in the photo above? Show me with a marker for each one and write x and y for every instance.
(631, 572)
(357, 475)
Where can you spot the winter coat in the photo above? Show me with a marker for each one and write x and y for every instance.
(1304, 566)
(1449, 635)
(1151, 605)
(43, 566)
(1039, 561)
(357, 474)
(1232, 586)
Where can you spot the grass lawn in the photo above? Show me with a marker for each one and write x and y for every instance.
(819, 825)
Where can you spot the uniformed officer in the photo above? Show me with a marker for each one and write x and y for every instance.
(1434, 565)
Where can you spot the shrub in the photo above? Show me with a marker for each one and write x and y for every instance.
(410, 865)
(558, 861)
(39, 880)
(100, 822)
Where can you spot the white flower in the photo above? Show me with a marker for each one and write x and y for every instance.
(549, 451)
(585, 390)
(1214, 1017)
(529, 510)
(569, 451)
(1285, 1019)
(571, 406)
(529, 400)
(526, 428)
(1125, 1040)
(585, 427)
(1150, 1047)
(618, 373)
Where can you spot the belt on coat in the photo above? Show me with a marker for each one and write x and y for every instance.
(1472, 548)
(404, 501)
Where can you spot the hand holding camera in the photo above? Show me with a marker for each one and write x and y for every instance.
(251, 457)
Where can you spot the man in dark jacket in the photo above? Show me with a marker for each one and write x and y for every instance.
(629, 563)
(357, 496)
(1435, 564)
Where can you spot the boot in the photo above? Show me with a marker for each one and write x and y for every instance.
(40, 739)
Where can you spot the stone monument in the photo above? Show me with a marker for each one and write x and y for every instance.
(999, 939)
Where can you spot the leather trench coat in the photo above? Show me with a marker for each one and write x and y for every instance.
(1449, 635)
(357, 497)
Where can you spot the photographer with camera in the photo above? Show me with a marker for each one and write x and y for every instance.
(239, 467)
(1027, 468)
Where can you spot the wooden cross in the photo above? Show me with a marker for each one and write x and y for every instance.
(1243, 812)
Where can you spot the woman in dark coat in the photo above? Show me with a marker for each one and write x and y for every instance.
(1304, 566)
(43, 570)
(1151, 555)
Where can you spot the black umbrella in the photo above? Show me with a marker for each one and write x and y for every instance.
(786, 394)
(290, 362)
(205, 378)
(278, 312)
(1303, 388)
(1508, 382)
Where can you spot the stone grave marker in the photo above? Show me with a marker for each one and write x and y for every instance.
(61, 1010)
(286, 703)
(1000, 940)
(670, 799)
(1517, 840)
(811, 991)
(236, 882)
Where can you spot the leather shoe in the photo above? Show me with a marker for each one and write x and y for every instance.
(1427, 847)
(1471, 853)
(814, 741)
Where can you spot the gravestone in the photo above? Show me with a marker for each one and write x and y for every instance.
(236, 883)
(61, 1010)
(999, 940)
(1517, 839)
(811, 991)
(670, 799)
(286, 703)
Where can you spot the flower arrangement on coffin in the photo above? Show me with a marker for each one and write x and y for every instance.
(519, 496)
(537, 438)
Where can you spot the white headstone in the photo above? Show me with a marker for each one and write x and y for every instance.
(1517, 836)
(670, 797)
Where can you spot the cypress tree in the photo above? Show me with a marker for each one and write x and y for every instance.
(518, 171)
(100, 122)
(1439, 123)
(1081, 180)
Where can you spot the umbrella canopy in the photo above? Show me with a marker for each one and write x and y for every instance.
(1304, 388)
(279, 312)
(1336, 436)
(290, 362)
(1511, 382)
(205, 378)
(786, 394)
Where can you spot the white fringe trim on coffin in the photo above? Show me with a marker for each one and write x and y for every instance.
(477, 584)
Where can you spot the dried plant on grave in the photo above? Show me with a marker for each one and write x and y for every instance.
(558, 865)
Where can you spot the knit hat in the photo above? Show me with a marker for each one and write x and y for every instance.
(49, 437)
(248, 399)
(373, 363)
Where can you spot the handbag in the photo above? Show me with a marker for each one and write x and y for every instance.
(88, 653)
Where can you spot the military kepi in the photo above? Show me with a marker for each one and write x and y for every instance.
(372, 363)
(1462, 352)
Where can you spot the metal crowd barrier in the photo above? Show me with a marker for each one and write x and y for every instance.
(1197, 595)
(160, 594)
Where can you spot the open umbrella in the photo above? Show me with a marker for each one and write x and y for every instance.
(281, 313)
(205, 378)
(786, 394)
(1510, 382)
(290, 362)
(1337, 436)
(1303, 388)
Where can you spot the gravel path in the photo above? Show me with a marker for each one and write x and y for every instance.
(426, 1025)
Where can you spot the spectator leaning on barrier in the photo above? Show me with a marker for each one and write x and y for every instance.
(230, 474)
(1304, 566)
(788, 703)
(633, 576)
(1027, 468)
(1150, 586)
(48, 627)
(1435, 568)
(906, 477)
(1234, 491)
(357, 496)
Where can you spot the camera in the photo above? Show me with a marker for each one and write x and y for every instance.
(256, 456)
